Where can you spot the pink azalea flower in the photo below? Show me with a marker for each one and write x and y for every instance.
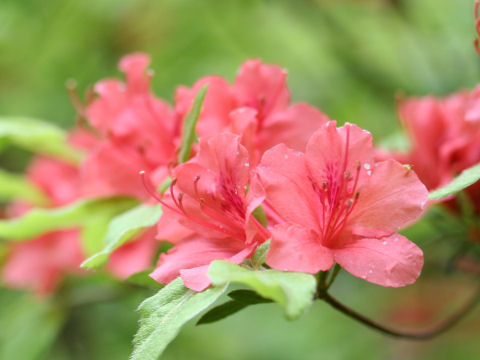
(40, 264)
(257, 106)
(211, 204)
(338, 205)
(136, 131)
(445, 138)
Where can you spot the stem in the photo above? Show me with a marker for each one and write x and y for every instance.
(335, 272)
(429, 333)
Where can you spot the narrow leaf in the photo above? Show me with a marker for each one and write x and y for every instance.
(17, 187)
(39, 221)
(220, 312)
(188, 136)
(122, 228)
(462, 181)
(163, 315)
(292, 291)
(258, 257)
(38, 136)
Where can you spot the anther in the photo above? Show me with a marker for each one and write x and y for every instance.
(324, 185)
(357, 165)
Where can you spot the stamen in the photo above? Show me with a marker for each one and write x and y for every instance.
(180, 206)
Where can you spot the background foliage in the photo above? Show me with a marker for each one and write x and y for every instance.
(350, 58)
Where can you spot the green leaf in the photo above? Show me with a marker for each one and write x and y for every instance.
(240, 300)
(188, 136)
(143, 279)
(163, 315)
(39, 221)
(220, 312)
(122, 228)
(17, 187)
(38, 136)
(291, 290)
(258, 257)
(248, 297)
(462, 181)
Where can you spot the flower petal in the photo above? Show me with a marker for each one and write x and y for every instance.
(392, 198)
(289, 192)
(293, 127)
(329, 157)
(261, 86)
(392, 261)
(198, 252)
(295, 248)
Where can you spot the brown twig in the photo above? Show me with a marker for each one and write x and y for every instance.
(427, 334)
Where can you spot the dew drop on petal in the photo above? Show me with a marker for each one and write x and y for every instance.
(384, 243)
(369, 172)
(366, 166)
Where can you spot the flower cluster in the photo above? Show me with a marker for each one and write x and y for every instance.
(262, 169)
(445, 138)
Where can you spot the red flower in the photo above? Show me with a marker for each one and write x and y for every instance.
(136, 131)
(445, 138)
(212, 210)
(257, 106)
(338, 205)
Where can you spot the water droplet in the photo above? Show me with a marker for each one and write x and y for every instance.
(366, 166)
(247, 164)
(395, 239)
(369, 172)
(422, 205)
(370, 271)
(364, 276)
(384, 243)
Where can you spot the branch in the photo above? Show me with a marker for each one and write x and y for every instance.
(429, 333)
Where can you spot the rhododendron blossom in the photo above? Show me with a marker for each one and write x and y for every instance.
(40, 263)
(135, 131)
(338, 205)
(445, 137)
(210, 206)
(257, 106)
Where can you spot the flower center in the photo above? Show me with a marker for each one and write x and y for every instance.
(338, 195)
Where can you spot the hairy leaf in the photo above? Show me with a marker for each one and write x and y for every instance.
(291, 290)
(163, 315)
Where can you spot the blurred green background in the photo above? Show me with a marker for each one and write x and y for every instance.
(350, 58)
